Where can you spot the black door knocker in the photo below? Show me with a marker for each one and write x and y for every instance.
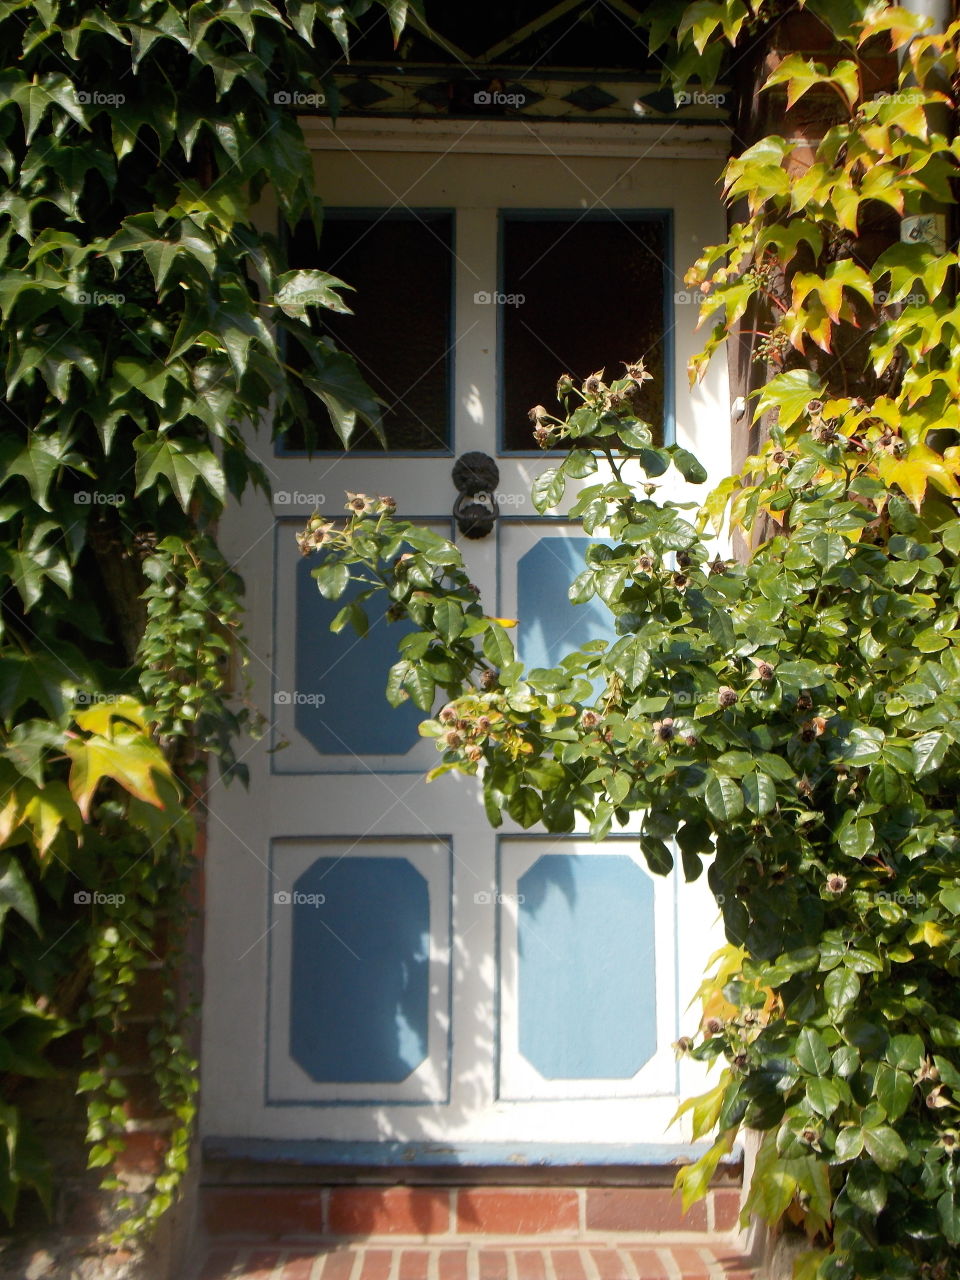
(475, 476)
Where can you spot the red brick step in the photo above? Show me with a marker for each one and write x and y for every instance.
(543, 1260)
(435, 1211)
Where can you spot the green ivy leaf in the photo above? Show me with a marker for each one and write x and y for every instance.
(183, 463)
(332, 579)
(760, 793)
(823, 1096)
(886, 1147)
(547, 490)
(448, 620)
(16, 893)
(841, 987)
(689, 466)
(812, 1052)
(929, 751)
(723, 798)
(525, 807)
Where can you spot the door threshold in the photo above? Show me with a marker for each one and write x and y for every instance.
(256, 1160)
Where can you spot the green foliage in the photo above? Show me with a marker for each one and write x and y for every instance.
(793, 724)
(148, 322)
(859, 339)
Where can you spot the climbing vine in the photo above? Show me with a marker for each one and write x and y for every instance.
(148, 322)
(789, 721)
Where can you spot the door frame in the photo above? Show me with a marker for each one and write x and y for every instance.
(235, 1021)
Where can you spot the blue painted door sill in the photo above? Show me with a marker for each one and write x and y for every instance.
(476, 1155)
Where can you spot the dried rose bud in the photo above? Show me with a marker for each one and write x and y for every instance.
(453, 738)
(779, 458)
(484, 724)
(616, 401)
(395, 613)
(810, 1136)
(564, 385)
(804, 701)
(538, 414)
(316, 522)
(718, 566)
(948, 1140)
(691, 739)
(402, 564)
(644, 564)
(804, 787)
(683, 560)
(543, 436)
(739, 1061)
(359, 503)
(713, 1026)
(749, 1017)
(726, 696)
(386, 504)
(663, 729)
(926, 1071)
(305, 543)
(814, 406)
(638, 372)
(594, 384)
(679, 581)
(836, 883)
(608, 735)
(447, 715)
(765, 671)
(935, 1098)
(682, 1046)
(488, 679)
(589, 720)
(475, 754)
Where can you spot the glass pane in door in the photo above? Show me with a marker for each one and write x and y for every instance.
(580, 293)
(400, 264)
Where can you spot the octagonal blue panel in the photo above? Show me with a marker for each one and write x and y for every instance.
(550, 626)
(359, 987)
(587, 978)
(350, 675)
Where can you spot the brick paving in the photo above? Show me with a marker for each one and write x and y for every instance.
(490, 1260)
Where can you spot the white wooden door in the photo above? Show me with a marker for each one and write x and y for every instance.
(380, 965)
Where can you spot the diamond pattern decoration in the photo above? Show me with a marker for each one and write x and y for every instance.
(364, 93)
(590, 98)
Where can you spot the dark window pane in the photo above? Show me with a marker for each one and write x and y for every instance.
(593, 298)
(401, 269)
